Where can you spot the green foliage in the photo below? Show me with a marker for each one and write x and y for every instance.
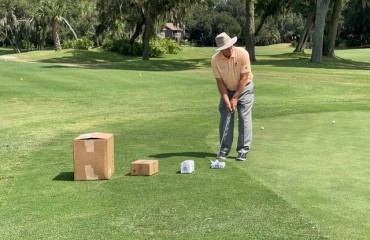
(83, 17)
(23, 44)
(81, 44)
(172, 47)
(294, 44)
(84, 43)
(162, 46)
(69, 44)
(224, 22)
(355, 30)
(107, 44)
(200, 26)
(268, 35)
(124, 47)
(204, 23)
(157, 47)
(352, 41)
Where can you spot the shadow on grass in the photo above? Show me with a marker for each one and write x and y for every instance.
(99, 59)
(6, 51)
(104, 60)
(64, 176)
(184, 154)
(303, 60)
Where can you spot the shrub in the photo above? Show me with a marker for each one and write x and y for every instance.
(161, 46)
(172, 47)
(84, 43)
(124, 47)
(107, 44)
(294, 43)
(157, 47)
(81, 44)
(68, 44)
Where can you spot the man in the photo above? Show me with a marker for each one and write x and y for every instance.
(232, 70)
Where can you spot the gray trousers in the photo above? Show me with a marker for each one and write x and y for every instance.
(226, 128)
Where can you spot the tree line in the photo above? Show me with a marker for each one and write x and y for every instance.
(321, 25)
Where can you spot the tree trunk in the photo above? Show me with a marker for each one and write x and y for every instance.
(54, 28)
(301, 46)
(333, 28)
(149, 26)
(271, 9)
(14, 45)
(365, 3)
(260, 24)
(27, 38)
(28, 34)
(70, 28)
(250, 30)
(138, 30)
(318, 35)
(43, 37)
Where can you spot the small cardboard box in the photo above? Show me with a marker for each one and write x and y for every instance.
(93, 155)
(144, 167)
(187, 166)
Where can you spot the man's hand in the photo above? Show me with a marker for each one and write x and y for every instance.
(228, 104)
(229, 108)
(233, 104)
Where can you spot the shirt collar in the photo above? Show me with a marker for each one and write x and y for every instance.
(232, 55)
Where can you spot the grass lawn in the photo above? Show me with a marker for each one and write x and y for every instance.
(305, 178)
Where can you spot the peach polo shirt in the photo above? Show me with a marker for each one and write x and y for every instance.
(229, 69)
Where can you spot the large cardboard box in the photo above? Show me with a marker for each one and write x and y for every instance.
(93, 155)
(144, 167)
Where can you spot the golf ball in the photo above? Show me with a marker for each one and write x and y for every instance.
(333, 122)
(262, 128)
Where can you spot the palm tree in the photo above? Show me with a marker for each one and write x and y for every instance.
(9, 29)
(51, 11)
(41, 26)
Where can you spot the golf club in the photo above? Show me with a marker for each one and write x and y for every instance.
(216, 163)
(225, 127)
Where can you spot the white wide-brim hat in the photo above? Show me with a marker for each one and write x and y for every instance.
(223, 41)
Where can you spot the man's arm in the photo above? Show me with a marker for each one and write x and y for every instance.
(242, 83)
(223, 92)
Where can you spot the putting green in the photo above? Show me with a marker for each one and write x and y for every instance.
(319, 166)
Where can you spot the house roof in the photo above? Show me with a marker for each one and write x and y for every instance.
(173, 27)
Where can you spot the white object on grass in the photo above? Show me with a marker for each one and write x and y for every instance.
(217, 164)
(187, 166)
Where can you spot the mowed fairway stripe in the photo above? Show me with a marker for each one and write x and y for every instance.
(320, 164)
(209, 204)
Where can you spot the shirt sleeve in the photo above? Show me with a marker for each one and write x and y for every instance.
(246, 66)
(215, 70)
